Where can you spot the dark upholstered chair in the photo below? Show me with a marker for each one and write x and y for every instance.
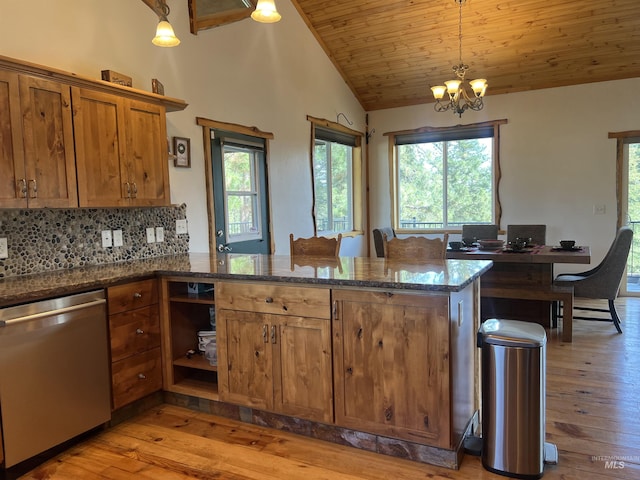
(415, 249)
(378, 239)
(480, 232)
(537, 233)
(315, 246)
(603, 281)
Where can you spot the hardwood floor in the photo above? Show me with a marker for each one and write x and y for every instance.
(593, 416)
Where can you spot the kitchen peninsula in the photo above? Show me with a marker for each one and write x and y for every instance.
(358, 351)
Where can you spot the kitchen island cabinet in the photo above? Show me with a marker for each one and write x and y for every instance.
(400, 344)
(275, 342)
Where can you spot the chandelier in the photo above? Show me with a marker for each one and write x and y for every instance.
(165, 37)
(459, 100)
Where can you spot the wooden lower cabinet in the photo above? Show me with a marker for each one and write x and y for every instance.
(277, 362)
(391, 357)
(134, 331)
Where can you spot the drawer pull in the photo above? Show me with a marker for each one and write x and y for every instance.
(268, 300)
(139, 331)
(142, 376)
(137, 295)
(273, 334)
(265, 334)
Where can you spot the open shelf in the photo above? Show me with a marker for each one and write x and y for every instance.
(196, 361)
(189, 313)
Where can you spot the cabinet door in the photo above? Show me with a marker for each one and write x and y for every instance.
(146, 157)
(302, 368)
(246, 378)
(48, 143)
(13, 181)
(391, 374)
(99, 120)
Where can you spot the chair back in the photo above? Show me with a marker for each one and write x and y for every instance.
(604, 280)
(480, 232)
(537, 233)
(315, 246)
(378, 238)
(415, 249)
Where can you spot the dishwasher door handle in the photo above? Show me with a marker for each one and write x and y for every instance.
(50, 313)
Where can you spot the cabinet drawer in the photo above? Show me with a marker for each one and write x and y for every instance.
(134, 332)
(132, 295)
(136, 376)
(275, 299)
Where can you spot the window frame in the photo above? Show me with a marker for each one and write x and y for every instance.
(357, 187)
(458, 132)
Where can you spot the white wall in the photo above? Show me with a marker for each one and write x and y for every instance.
(557, 160)
(268, 76)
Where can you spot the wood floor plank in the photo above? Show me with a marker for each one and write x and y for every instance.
(593, 416)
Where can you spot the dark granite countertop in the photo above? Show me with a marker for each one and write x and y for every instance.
(439, 276)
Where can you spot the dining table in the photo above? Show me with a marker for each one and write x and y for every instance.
(519, 285)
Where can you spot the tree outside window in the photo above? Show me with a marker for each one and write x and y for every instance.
(445, 178)
(337, 178)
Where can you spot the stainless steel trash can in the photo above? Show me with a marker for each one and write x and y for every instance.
(513, 397)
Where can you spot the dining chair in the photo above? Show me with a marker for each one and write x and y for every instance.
(415, 248)
(315, 246)
(603, 281)
(537, 233)
(378, 238)
(480, 232)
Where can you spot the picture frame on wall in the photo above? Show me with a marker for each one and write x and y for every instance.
(181, 152)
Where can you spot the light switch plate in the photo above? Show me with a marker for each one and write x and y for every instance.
(4, 249)
(151, 235)
(117, 238)
(106, 239)
(159, 234)
(181, 227)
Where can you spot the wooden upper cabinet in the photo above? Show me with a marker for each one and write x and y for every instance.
(37, 143)
(121, 150)
(11, 150)
(147, 159)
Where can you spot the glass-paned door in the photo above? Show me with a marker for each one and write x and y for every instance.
(633, 217)
(240, 194)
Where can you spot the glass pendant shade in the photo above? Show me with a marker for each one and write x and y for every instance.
(165, 37)
(266, 12)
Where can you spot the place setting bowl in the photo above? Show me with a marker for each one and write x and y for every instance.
(490, 244)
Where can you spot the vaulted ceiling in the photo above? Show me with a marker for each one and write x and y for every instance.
(391, 51)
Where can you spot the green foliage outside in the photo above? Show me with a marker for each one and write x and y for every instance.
(333, 189)
(633, 209)
(444, 184)
(241, 192)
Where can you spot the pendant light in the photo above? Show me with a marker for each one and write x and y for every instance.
(165, 36)
(266, 12)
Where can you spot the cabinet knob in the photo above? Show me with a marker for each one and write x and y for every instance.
(137, 295)
(142, 376)
(268, 300)
(139, 331)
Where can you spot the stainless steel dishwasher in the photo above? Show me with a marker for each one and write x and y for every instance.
(54, 372)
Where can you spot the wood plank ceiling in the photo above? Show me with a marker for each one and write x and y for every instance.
(391, 51)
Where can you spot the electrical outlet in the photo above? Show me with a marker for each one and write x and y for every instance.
(117, 238)
(159, 234)
(106, 239)
(4, 249)
(181, 227)
(151, 235)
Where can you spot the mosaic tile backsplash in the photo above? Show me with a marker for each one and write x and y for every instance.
(42, 240)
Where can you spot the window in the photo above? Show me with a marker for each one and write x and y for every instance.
(336, 167)
(443, 178)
